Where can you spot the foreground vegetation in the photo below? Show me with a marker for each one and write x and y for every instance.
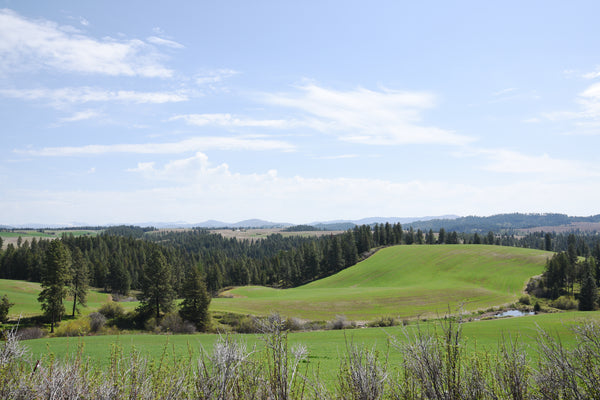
(435, 361)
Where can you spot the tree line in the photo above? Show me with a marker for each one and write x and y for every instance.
(123, 259)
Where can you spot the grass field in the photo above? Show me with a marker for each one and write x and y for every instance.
(403, 282)
(24, 296)
(326, 348)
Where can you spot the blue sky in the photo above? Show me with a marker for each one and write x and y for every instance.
(127, 112)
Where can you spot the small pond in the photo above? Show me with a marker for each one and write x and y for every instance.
(514, 313)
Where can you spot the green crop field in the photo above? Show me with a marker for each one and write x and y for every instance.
(326, 348)
(401, 281)
(24, 296)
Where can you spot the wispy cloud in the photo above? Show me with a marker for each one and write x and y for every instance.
(544, 166)
(81, 116)
(215, 76)
(593, 74)
(164, 42)
(89, 94)
(589, 107)
(504, 91)
(31, 44)
(338, 157)
(230, 121)
(184, 146)
(385, 117)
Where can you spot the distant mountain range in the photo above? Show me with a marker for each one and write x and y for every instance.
(249, 223)
(496, 223)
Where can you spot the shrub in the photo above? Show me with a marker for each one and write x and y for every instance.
(5, 306)
(384, 322)
(111, 310)
(525, 299)
(78, 327)
(536, 307)
(173, 323)
(294, 324)
(565, 303)
(97, 321)
(340, 322)
(130, 320)
(30, 333)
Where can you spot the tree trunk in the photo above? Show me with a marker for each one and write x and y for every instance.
(74, 301)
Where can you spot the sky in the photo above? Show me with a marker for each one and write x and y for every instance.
(128, 112)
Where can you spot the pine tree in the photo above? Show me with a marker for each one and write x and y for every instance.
(55, 276)
(335, 257)
(589, 293)
(196, 300)
(79, 279)
(442, 236)
(157, 290)
(548, 242)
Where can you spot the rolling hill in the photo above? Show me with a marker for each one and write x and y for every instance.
(401, 281)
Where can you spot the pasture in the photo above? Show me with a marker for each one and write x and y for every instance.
(326, 348)
(401, 281)
(24, 296)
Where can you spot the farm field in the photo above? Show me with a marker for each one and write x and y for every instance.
(12, 236)
(326, 348)
(403, 282)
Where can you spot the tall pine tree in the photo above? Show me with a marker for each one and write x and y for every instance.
(196, 300)
(55, 276)
(79, 279)
(157, 293)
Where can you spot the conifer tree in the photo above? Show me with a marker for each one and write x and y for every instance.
(196, 300)
(442, 236)
(79, 279)
(589, 292)
(157, 293)
(55, 276)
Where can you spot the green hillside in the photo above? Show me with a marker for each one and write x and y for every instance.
(401, 281)
(24, 296)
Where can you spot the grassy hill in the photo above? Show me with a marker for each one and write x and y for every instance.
(401, 281)
(24, 296)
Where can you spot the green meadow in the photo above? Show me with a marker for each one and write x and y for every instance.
(24, 295)
(326, 348)
(403, 282)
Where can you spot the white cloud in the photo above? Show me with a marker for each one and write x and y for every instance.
(31, 44)
(230, 121)
(215, 76)
(543, 166)
(339, 157)
(592, 75)
(589, 108)
(89, 94)
(164, 42)
(193, 190)
(504, 91)
(385, 117)
(184, 146)
(81, 116)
